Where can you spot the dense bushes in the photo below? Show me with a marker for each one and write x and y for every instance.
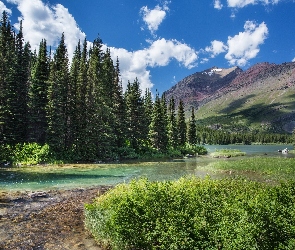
(194, 214)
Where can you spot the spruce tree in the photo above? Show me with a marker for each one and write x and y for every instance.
(148, 112)
(192, 129)
(158, 127)
(135, 115)
(172, 124)
(8, 85)
(38, 101)
(181, 125)
(57, 108)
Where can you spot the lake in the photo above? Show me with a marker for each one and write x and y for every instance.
(80, 176)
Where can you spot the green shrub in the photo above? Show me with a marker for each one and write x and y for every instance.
(194, 214)
(31, 153)
(193, 150)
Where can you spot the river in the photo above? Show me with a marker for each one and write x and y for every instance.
(80, 176)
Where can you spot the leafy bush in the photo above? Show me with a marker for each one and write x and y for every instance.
(31, 153)
(194, 214)
(193, 150)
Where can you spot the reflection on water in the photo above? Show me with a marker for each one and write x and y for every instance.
(72, 176)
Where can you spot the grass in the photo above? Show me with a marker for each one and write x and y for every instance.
(227, 153)
(269, 168)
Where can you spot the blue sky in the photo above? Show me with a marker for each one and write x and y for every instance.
(161, 42)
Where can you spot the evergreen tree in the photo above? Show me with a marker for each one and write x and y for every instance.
(181, 125)
(135, 115)
(192, 129)
(57, 108)
(73, 97)
(172, 124)
(158, 128)
(148, 111)
(8, 85)
(119, 109)
(99, 112)
(38, 96)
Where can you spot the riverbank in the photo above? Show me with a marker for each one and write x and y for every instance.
(46, 220)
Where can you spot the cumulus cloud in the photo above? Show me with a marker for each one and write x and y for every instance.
(158, 54)
(4, 8)
(245, 45)
(43, 21)
(293, 60)
(243, 3)
(154, 17)
(216, 48)
(218, 5)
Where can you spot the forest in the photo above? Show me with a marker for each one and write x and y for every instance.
(78, 110)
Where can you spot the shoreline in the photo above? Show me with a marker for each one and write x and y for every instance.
(48, 220)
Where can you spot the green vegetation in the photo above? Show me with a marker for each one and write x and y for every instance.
(269, 168)
(227, 153)
(194, 214)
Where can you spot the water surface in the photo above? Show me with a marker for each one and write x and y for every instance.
(76, 176)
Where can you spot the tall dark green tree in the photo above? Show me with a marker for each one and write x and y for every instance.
(148, 111)
(119, 108)
(192, 129)
(172, 124)
(158, 127)
(38, 101)
(57, 108)
(181, 124)
(8, 85)
(135, 115)
(22, 73)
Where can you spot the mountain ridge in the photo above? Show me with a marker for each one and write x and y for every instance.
(259, 98)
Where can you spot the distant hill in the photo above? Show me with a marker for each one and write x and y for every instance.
(261, 98)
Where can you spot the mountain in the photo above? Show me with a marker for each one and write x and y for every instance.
(260, 98)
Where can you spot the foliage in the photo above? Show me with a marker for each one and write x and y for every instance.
(194, 214)
(227, 153)
(193, 149)
(31, 153)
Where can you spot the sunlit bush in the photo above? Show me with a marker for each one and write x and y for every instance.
(194, 214)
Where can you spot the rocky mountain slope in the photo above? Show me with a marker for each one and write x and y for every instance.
(261, 98)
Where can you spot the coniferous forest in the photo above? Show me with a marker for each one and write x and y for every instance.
(77, 109)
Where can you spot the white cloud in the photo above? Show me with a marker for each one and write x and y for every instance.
(245, 45)
(243, 3)
(218, 5)
(160, 53)
(42, 21)
(4, 8)
(216, 48)
(293, 60)
(154, 17)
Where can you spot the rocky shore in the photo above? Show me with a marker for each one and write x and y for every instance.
(46, 220)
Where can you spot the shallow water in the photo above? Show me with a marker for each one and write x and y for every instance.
(75, 176)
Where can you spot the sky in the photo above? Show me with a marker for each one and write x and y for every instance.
(161, 42)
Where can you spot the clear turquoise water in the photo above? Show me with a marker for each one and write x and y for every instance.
(78, 176)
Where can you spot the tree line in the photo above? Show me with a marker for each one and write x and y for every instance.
(78, 107)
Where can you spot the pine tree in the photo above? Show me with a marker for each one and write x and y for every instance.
(73, 97)
(148, 112)
(181, 125)
(172, 124)
(8, 86)
(38, 96)
(158, 127)
(135, 115)
(57, 108)
(192, 129)
(119, 109)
